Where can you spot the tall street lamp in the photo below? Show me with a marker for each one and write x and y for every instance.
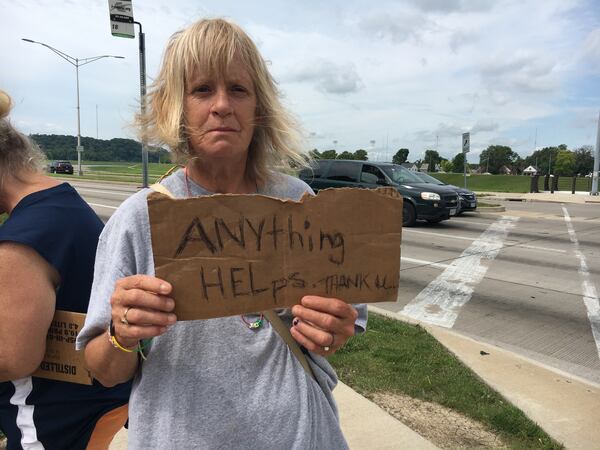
(75, 62)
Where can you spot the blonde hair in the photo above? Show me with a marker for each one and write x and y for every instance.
(211, 44)
(18, 154)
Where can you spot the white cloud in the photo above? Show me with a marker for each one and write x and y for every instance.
(328, 77)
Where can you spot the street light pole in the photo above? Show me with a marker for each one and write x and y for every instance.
(75, 62)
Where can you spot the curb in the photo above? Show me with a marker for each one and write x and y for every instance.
(485, 209)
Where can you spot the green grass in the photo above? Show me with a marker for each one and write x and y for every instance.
(124, 172)
(399, 358)
(487, 183)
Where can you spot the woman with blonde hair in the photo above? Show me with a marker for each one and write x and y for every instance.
(230, 382)
(47, 250)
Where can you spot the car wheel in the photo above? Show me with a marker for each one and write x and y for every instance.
(409, 215)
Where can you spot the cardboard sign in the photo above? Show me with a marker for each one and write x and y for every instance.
(231, 254)
(61, 361)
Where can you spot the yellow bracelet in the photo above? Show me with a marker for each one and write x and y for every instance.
(116, 344)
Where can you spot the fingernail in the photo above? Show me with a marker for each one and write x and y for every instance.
(164, 288)
(172, 318)
(170, 304)
(296, 322)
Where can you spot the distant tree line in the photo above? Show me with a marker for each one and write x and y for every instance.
(59, 146)
(495, 159)
(359, 155)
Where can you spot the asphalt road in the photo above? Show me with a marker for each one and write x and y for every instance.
(526, 279)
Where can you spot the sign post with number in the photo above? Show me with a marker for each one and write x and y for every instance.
(466, 147)
(121, 18)
(121, 25)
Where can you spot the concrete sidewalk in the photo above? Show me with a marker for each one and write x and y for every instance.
(559, 197)
(365, 426)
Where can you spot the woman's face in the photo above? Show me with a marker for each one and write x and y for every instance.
(220, 113)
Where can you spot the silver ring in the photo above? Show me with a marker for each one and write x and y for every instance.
(124, 320)
(328, 347)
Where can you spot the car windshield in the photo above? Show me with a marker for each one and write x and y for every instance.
(428, 178)
(400, 175)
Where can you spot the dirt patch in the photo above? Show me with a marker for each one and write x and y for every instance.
(445, 428)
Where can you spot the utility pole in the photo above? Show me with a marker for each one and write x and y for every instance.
(96, 121)
(596, 162)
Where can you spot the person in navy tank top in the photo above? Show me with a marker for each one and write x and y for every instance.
(47, 250)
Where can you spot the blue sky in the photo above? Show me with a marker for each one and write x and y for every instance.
(373, 75)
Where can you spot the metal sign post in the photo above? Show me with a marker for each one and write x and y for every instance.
(466, 147)
(121, 25)
(596, 162)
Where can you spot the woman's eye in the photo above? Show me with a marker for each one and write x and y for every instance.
(202, 89)
(239, 89)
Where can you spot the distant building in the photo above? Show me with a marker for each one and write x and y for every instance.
(424, 167)
(530, 171)
(410, 166)
(504, 170)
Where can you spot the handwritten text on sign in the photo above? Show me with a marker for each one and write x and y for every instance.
(236, 254)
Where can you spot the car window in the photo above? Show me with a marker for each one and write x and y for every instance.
(343, 171)
(315, 171)
(400, 175)
(372, 174)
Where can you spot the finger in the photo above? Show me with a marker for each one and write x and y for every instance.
(308, 344)
(320, 337)
(136, 298)
(145, 283)
(129, 335)
(149, 317)
(333, 306)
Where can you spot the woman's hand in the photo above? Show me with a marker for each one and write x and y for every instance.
(323, 325)
(141, 308)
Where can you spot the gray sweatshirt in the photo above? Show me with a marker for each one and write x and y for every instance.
(213, 384)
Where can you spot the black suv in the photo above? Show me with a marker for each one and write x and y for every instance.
(60, 167)
(422, 201)
(467, 198)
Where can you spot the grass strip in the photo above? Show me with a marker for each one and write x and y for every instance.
(396, 357)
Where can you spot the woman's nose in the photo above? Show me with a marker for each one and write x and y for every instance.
(222, 103)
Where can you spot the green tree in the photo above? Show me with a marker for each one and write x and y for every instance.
(496, 156)
(565, 163)
(361, 155)
(314, 154)
(447, 166)
(329, 154)
(544, 159)
(584, 160)
(345, 155)
(432, 158)
(458, 163)
(400, 156)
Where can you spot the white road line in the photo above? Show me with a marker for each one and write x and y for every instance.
(466, 238)
(423, 262)
(104, 192)
(590, 295)
(102, 206)
(441, 301)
